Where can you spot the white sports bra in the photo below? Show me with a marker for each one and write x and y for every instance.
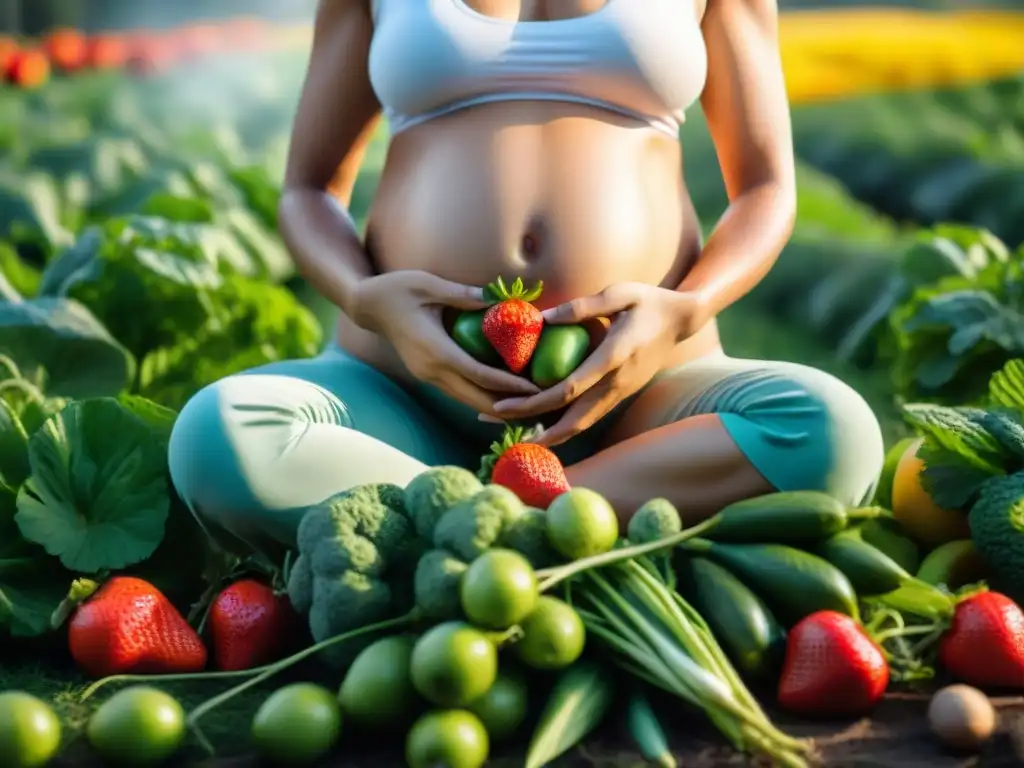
(645, 59)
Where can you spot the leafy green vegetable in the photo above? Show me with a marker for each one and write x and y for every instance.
(98, 496)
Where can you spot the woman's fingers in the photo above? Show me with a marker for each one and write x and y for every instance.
(582, 414)
(448, 294)
(451, 355)
(467, 393)
(603, 361)
(608, 302)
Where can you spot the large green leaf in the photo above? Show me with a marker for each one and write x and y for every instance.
(32, 584)
(62, 339)
(30, 211)
(98, 495)
(14, 465)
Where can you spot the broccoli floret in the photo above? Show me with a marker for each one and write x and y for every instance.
(437, 580)
(656, 519)
(528, 536)
(353, 550)
(470, 528)
(997, 528)
(434, 492)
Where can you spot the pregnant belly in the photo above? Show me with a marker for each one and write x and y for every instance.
(578, 203)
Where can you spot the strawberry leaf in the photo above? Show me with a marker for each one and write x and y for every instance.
(98, 495)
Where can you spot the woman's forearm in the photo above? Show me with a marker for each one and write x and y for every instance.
(742, 248)
(324, 243)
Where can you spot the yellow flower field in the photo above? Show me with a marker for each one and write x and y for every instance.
(829, 54)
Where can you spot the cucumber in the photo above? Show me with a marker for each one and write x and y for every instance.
(787, 517)
(870, 571)
(748, 631)
(793, 583)
(647, 732)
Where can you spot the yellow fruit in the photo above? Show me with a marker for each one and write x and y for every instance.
(921, 518)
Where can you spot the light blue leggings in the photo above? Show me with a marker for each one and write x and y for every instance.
(249, 453)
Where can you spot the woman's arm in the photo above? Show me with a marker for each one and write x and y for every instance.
(748, 115)
(337, 114)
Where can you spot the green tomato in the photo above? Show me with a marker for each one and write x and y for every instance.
(377, 691)
(453, 663)
(137, 726)
(498, 589)
(559, 352)
(581, 523)
(448, 739)
(468, 332)
(553, 635)
(29, 731)
(503, 708)
(297, 724)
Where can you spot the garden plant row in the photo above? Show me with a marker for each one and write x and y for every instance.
(140, 263)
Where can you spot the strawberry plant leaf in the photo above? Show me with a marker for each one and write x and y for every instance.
(98, 496)
(62, 342)
(32, 584)
(1006, 387)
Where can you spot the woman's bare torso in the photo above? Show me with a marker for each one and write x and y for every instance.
(572, 195)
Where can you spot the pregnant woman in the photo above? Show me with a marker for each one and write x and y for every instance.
(534, 139)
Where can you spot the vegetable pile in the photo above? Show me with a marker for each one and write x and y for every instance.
(447, 611)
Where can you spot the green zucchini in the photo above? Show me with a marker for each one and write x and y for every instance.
(578, 702)
(793, 583)
(647, 732)
(559, 352)
(468, 332)
(745, 627)
(870, 570)
(788, 517)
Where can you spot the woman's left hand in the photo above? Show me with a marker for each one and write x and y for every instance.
(647, 323)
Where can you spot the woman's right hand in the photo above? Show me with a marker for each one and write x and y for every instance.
(405, 307)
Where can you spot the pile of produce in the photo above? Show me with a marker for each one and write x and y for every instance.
(445, 609)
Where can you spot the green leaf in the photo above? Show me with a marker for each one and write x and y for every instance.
(30, 211)
(958, 431)
(158, 418)
(62, 341)
(14, 465)
(98, 495)
(1006, 387)
(32, 584)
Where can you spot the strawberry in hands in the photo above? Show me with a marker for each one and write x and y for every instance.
(250, 625)
(984, 644)
(832, 667)
(128, 626)
(534, 473)
(513, 325)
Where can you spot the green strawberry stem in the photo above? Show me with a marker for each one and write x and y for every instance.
(501, 292)
(80, 591)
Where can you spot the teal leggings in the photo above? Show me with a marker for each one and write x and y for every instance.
(249, 453)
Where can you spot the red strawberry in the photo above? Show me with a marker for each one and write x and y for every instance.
(513, 325)
(534, 473)
(984, 645)
(832, 667)
(250, 625)
(128, 626)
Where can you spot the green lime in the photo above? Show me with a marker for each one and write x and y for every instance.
(581, 523)
(377, 691)
(447, 739)
(137, 726)
(498, 589)
(553, 635)
(503, 708)
(297, 724)
(29, 731)
(453, 663)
